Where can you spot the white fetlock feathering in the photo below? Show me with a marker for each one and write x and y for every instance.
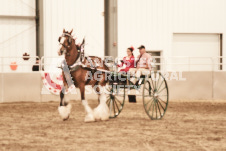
(89, 117)
(65, 111)
(101, 112)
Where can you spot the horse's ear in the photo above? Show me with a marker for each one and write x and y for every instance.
(71, 31)
(83, 41)
(63, 30)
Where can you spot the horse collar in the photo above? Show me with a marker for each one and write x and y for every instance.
(74, 67)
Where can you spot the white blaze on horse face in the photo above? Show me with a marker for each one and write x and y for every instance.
(62, 40)
(61, 48)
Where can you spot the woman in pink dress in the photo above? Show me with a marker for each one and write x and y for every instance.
(128, 60)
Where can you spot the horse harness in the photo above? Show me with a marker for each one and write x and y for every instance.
(79, 60)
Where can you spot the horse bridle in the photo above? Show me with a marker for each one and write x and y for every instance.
(77, 60)
(69, 41)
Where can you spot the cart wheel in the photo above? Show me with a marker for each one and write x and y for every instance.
(115, 100)
(155, 96)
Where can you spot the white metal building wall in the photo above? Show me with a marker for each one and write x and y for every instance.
(17, 35)
(84, 16)
(17, 7)
(148, 22)
(153, 22)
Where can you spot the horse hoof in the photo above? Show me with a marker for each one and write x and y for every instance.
(66, 118)
(101, 113)
(64, 111)
(96, 114)
(89, 118)
(105, 118)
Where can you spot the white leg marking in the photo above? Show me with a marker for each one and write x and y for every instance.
(101, 112)
(89, 117)
(65, 111)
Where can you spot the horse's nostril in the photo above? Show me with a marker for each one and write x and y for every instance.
(60, 52)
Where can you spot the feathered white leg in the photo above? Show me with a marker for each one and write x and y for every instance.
(89, 117)
(101, 112)
(65, 111)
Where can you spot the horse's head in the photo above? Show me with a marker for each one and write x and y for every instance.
(65, 40)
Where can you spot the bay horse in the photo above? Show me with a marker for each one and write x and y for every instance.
(72, 55)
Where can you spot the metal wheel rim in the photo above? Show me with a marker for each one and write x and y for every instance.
(114, 103)
(156, 103)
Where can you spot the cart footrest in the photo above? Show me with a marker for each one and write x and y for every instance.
(132, 98)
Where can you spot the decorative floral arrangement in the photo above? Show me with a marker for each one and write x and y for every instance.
(26, 56)
(13, 66)
(54, 82)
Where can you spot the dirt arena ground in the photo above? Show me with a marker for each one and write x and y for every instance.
(196, 125)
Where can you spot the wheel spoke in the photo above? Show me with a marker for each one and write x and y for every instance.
(153, 109)
(159, 108)
(152, 84)
(118, 101)
(113, 106)
(110, 104)
(161, 90)
(148, 102)
(162, 95)
(117, 106)
(156, 110)
(149, 107)
(117, 98)
(162, 100)
(149, 88)
(146, 88)
(160, 85)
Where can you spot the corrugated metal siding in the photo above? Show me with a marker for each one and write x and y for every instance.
(85, 17)
(153, 22)
(17, 7)
(17, 34)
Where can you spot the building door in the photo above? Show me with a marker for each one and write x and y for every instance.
(199, 47)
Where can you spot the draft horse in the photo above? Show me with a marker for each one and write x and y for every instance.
(78, 74)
